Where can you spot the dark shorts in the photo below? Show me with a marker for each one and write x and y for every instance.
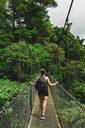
(43, 92)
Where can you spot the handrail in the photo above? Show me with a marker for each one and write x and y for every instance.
(17, 113)
(3, 108)
(23, 99)
(70, 111)
(70, 96)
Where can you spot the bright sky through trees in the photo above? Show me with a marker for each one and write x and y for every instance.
(77, 15)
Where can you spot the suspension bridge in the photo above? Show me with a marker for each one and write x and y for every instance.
(63, 111)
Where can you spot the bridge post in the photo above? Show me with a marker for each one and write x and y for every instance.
(30, 99)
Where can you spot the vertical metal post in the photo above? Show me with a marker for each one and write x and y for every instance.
(30, 99)
(19, 69)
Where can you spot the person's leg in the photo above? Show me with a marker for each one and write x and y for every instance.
(43, 104)
(40, 103)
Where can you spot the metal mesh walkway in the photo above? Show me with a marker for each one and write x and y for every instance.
(51, 120)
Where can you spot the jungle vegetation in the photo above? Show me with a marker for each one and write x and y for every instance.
(28, 42)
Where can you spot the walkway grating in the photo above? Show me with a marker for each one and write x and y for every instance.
(51, 120)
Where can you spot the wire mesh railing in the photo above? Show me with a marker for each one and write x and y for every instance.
(17, 114)
(71, 112)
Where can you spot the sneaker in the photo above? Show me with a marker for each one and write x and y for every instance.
(42, 117)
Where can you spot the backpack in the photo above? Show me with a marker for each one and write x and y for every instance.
(40, 85)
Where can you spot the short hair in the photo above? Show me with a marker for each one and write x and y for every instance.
(43, 71)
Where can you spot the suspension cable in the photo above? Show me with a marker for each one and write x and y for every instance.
(17, 14)
(68, 57)
(66, 20)
(32, 57)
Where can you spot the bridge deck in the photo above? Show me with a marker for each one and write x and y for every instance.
(51, 120)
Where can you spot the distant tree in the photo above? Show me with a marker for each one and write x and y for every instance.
(71, 45)
(32, 16)
(19, 61)
(56, 52)
(80, 40)
(5, 29)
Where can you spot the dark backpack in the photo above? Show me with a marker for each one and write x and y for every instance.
(40, 85)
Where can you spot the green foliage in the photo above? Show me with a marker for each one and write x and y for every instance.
(75, 70)
(28, 20)
(47, 3)
(56, 52)
(71, 112)
(55, 72)
(41, 55)
(71, 45)
(8, 90)
(5, 28)
(78, 90)
(19, 60)
(76, 116)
